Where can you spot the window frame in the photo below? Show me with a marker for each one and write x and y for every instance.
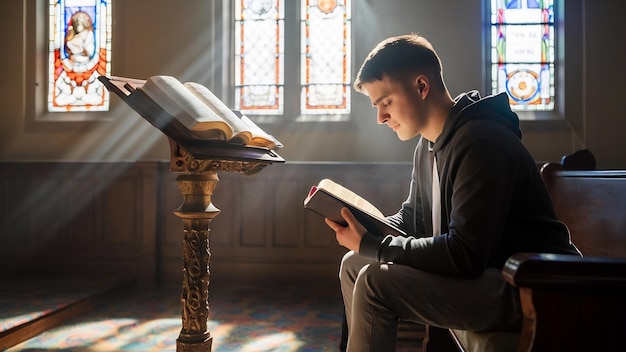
(292, 69)
(558, 112)
(36, 80)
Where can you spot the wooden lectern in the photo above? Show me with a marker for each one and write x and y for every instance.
(198, 163)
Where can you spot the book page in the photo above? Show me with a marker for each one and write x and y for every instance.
(259, 138)
(240, 129)
(182, 104)
(350, 197)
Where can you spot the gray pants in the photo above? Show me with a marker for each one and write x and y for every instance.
(377, 294)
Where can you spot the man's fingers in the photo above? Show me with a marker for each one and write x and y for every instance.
(348, 217)
(353, 223)
(333, 225)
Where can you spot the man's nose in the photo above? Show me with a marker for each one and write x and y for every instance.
(382, 117)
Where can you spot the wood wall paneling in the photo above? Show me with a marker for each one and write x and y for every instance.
(118, 218)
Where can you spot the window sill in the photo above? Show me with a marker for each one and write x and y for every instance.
(282, 119)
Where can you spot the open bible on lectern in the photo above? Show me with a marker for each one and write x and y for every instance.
(192, 116)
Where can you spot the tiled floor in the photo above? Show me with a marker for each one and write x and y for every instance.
(242, 318)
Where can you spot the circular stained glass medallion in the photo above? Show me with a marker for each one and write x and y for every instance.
(523, 85)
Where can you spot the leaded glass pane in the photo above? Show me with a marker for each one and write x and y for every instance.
(259, 56)
(79, 52)
(325, 57)
(522, 52)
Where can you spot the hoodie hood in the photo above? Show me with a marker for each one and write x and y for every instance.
(469, 106)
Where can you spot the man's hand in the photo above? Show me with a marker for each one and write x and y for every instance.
(348, 236)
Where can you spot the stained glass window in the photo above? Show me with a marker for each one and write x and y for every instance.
(79, 52)
(522, 52)
(259, 56)
(325, 57)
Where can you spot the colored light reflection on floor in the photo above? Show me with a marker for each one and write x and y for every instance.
(128, 334)
(243, 318)
(281, 342)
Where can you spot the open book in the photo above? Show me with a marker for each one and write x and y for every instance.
(328, 197)
(203, 114)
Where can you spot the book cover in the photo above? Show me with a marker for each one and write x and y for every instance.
(327, 198)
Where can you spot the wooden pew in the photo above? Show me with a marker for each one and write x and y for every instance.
(569, 303)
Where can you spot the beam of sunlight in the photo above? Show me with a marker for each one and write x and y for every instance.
(125, 137)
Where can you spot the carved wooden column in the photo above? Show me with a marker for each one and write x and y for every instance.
(197, 184)
(197, 211)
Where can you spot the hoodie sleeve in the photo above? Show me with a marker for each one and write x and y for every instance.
(410, 217)
(481, 178)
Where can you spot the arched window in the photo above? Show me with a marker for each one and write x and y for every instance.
(79, 51)
(264, 57)
(523, 52)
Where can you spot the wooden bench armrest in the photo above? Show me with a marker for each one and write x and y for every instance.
(557, 270)
(568, 302)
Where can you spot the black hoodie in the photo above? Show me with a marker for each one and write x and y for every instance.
(493, 200)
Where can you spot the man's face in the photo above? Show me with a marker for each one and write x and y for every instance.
(400, 106)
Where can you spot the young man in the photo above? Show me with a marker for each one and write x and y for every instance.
(487, 202)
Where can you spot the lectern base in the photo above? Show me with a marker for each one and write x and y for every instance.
(202, 346)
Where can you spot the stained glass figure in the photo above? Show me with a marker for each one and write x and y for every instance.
(259, 56)
(522, 52)
(79, 52)
(325, 57)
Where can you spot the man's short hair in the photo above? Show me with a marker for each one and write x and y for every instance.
(400, 57)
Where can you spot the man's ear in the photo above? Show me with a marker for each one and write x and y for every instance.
(422, 85)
